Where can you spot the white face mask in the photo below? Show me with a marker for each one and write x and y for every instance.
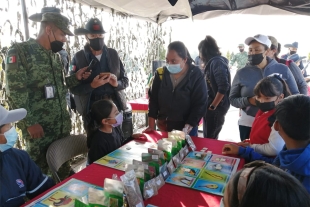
(222, 203)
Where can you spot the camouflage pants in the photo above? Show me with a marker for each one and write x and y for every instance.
(37, 149)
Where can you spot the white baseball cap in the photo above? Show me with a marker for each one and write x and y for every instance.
(263, 39)
(7, 117)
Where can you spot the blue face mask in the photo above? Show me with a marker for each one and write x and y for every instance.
(174, 68)
(222, 203)
(11, 137)
(119, 119)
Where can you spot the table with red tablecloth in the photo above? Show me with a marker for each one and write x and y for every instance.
(169, 195)
(140, 105)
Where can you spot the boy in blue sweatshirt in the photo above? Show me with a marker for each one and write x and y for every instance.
(292, 123)
(19, 176)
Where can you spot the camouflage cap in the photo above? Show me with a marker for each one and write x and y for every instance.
(38, 16)
(59, 20)
(241, 45)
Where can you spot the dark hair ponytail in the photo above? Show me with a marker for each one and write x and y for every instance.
(99, 110)
(181, 50)
(272, 85)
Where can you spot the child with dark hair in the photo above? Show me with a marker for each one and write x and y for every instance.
(263, 138)
(104, 135)
(292, 123)
(261, 184)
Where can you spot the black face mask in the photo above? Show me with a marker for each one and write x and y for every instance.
(96, 44)
(292, 52)
(241, 50)
(267, 106)
(255, 59)
(56, 45)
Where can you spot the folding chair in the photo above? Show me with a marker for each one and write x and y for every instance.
(63, 150)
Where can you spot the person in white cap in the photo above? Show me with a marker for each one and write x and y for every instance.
(260, 66)
(19, 176)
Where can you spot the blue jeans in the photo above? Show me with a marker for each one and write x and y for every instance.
(194, 132)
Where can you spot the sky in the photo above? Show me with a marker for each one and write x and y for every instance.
(231, 30)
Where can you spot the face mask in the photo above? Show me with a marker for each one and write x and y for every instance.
(255, 59)
(267, 106)
(11, 137)
(56, 45)
(174, 68)
(292, 52)
(96, 44)
(119, 119)
(222, 203)
(241, 50)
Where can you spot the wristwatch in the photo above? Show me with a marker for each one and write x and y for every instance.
(212, 107)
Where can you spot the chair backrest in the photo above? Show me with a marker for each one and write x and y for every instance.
(63, 150)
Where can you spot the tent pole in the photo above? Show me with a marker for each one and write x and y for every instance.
(25, 18)
(158, 43)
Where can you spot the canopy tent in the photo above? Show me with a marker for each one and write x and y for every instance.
(160, 10)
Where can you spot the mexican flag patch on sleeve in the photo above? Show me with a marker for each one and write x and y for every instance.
(72, 68)
(11, 59)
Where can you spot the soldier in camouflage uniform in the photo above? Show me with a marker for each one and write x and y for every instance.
(35, 81)
(241, 58)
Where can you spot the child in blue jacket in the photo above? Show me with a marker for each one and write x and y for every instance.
(292, 123)
(19, 176)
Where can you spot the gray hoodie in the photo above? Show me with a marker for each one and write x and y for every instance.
(246, 78)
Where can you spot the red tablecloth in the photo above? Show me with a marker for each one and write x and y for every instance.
(139, 105)
(169, 195)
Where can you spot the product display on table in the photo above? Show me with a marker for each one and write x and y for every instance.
(153, 189)
(204, 172)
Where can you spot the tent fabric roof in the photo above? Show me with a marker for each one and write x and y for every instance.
(160, 10)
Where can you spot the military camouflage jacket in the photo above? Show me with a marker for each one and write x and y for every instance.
(30, 68)
(241, 58)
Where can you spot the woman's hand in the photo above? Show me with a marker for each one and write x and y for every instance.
(252, 100)
(139, 137)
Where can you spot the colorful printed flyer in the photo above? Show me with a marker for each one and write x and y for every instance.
(119, 158)
(65, 195)
(204, 172)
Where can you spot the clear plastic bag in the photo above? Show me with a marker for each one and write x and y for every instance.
(150, 189)
(95, 196)
(113, 192)
(132, 189)
(171, 167)
(160, 182)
